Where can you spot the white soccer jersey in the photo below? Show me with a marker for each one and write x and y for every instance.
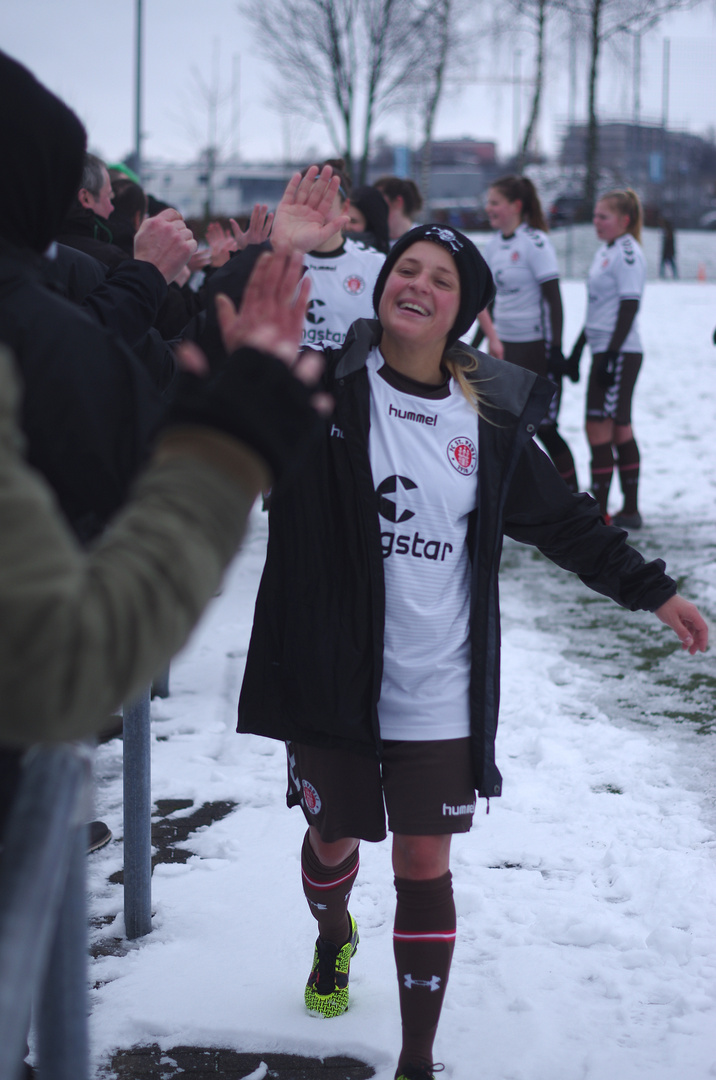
(520, 264)
(341, 291)
(618, 272)
(423, 455)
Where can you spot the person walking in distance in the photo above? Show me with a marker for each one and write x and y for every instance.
(614, 289)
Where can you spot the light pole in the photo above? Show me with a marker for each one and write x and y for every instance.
(138, 89)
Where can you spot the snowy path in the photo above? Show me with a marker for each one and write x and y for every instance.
(587, 898)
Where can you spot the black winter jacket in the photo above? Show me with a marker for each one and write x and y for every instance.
(89, 409)
(314, 666)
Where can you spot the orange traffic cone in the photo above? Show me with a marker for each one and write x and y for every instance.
(701, 272)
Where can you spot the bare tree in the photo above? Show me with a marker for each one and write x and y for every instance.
(200, 115)
(536, 14)
(342, 62)
(603, 20)
(447, 50)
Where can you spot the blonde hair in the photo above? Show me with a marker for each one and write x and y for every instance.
(626, 202)
(461, 363)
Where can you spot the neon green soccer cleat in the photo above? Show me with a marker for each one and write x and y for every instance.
(419, 1072)
(327, 986)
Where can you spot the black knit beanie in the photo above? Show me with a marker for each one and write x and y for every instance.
(477, 288)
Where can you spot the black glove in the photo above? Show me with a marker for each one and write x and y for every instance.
(255, 399)
(571, 369)
(605, 367)
(556, 363)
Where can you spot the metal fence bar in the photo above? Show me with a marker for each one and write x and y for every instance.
(61, 1016)
(160, 685)
(38, 840)
(137, 818)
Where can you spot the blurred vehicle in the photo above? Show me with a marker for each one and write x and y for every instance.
(566, 209)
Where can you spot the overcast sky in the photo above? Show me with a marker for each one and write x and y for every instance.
(83, 50)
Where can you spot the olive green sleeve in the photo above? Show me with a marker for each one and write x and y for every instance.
(81, 632)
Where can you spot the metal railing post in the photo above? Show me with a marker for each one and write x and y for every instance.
(160, 684)
(137, 818)
(38, 844)
(61, 1016)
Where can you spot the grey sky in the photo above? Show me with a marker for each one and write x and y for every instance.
(83, 50)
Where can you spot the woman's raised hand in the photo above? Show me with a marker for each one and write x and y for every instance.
(309, 212)
(259, 228)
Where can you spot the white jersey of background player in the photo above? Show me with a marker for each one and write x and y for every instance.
(618, 272)
(342, 283)
(520, 264)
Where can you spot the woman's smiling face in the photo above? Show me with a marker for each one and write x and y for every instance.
(421, 298)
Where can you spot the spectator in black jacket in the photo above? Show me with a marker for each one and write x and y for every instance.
(87, 228)
(89, 408)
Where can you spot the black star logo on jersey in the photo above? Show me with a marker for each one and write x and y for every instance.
(312, 314)
(395, 511)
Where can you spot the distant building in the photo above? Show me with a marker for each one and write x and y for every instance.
(461, 170)
(673, 171)
(231, 190)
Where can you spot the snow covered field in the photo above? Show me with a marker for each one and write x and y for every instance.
(586, 900)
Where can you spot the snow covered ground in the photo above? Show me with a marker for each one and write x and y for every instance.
(586, 900)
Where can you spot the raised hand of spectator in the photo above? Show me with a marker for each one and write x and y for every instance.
(166, 242)
(258, 230)
(221, 243)
(272, 310)
(182, 277)
(254, 397)
(309, 211)
(200, 259)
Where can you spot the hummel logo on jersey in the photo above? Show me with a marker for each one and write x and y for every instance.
(312, 314)
(433, 983)
(458, 811)
(535, 237)
(418, 418)
(388, 509)
(336, 432)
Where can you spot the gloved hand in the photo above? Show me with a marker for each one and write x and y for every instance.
(556, 363)
(571, 369)
(605, 367)
(255, 399)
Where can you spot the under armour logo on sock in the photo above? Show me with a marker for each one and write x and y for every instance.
(433, 983)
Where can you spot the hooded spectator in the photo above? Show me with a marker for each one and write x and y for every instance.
(89, 408)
